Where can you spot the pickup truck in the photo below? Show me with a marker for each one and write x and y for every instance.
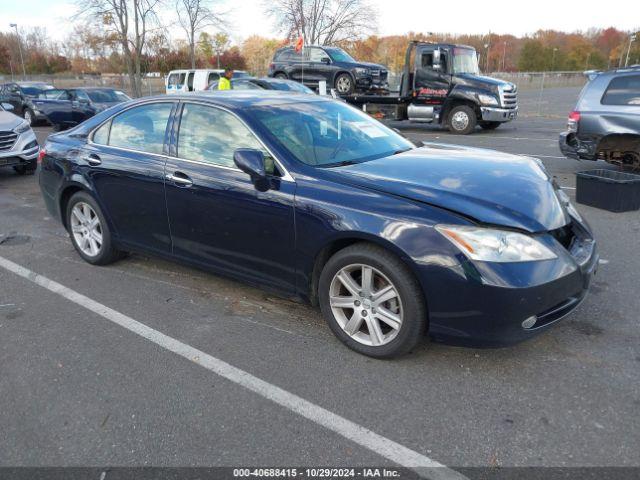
(64, 108)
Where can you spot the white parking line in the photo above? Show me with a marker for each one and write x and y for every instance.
(350, 430)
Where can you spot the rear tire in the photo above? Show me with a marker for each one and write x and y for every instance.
(358, 315)
(489, 125)
(89, 231)
(280, 75)
(462, 120)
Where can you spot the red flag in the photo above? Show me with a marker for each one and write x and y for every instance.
(299, 44)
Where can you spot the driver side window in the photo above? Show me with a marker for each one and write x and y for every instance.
(211, 135)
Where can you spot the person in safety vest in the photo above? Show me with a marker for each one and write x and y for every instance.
(225, 81)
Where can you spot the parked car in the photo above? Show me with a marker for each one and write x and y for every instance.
(605, 123)
(265, 83)
(315, 199)
(18, 143)
(64, 108)
(331, 64)
(180, 81)
(19, 94)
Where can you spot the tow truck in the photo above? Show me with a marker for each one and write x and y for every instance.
(441, 83)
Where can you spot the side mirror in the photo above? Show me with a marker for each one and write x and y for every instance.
(250, 161)
(325, 60)
(8, 107)
(437, 65)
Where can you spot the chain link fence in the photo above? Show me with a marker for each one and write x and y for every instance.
(540, 94)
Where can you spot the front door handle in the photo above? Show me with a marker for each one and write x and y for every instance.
(179, 179)
(93, 159)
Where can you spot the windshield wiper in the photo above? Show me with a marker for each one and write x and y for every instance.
(402, 150)
(343, 163)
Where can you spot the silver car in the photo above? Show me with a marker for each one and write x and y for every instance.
(18, 144)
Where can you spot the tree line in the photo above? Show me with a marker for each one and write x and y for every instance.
(131, 37)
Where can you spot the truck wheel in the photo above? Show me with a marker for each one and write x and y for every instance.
(489, 125)
(280, 75)
(344, 84)
(462, 120)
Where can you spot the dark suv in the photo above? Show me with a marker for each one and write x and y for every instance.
(332, 64)
(606, 121)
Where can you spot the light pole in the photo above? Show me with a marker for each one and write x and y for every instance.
(553, 59)
(24, 72)
(632, 38)
(504, 54)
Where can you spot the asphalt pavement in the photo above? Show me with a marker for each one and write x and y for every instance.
(79, 389)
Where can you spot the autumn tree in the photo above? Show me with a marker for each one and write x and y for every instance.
(258, 51)
(194, 16)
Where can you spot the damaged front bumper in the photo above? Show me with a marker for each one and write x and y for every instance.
(572, 147)
(495, 114)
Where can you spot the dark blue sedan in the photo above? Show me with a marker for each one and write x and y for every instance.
(312, 198)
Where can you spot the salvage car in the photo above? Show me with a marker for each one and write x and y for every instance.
(605, 124)
(64, 108)
(331, 64)
(18, 143)
(311, 197)
(19, 94)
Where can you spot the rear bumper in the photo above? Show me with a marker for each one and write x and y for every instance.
(495, 114)
(485, 305)
(571, 146)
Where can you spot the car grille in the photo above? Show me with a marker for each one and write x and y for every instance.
(7, 140)
(509, 97)
(379, 74)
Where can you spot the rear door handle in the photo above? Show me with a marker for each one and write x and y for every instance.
(179, 179)
(92, 159)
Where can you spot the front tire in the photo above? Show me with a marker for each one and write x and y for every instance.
(281, 76)
(372, 302)
(344, 84)
(89, 230)
(462, 120)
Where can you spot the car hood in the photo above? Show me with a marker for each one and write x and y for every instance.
(9, 121)
(480, 81)
(488, 186)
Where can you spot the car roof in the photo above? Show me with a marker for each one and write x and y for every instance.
(242, 98)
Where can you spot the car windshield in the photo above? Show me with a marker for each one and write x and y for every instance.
(52, 94)
(339, 55)
(465, 60)
(237, 74)
(107, 96)
(328, 133)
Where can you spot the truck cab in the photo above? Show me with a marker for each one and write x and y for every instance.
(441, 83)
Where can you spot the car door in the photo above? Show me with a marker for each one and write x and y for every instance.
(58, 110)
(218, 218)
(81, 107)
(320, 65)
(13, 96)
(431, 80)
(124, 162)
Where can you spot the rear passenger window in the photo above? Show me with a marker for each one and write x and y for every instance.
(623, 90)
(213, 76)
(208, 134)
(141, 128)
(176, 79)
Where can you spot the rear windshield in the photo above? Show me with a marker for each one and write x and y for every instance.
(623, 91)
(34, 91)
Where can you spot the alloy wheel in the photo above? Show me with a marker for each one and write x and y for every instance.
(86, 229)
(344, 84)
(366, 304)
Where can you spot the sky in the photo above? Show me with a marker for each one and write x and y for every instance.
(246, 17)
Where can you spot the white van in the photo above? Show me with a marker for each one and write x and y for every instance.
(180, 81)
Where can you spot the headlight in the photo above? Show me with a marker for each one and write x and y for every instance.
(566, 201)
(23, 127)
(492, 245)
(487, 99)
(362, 71)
